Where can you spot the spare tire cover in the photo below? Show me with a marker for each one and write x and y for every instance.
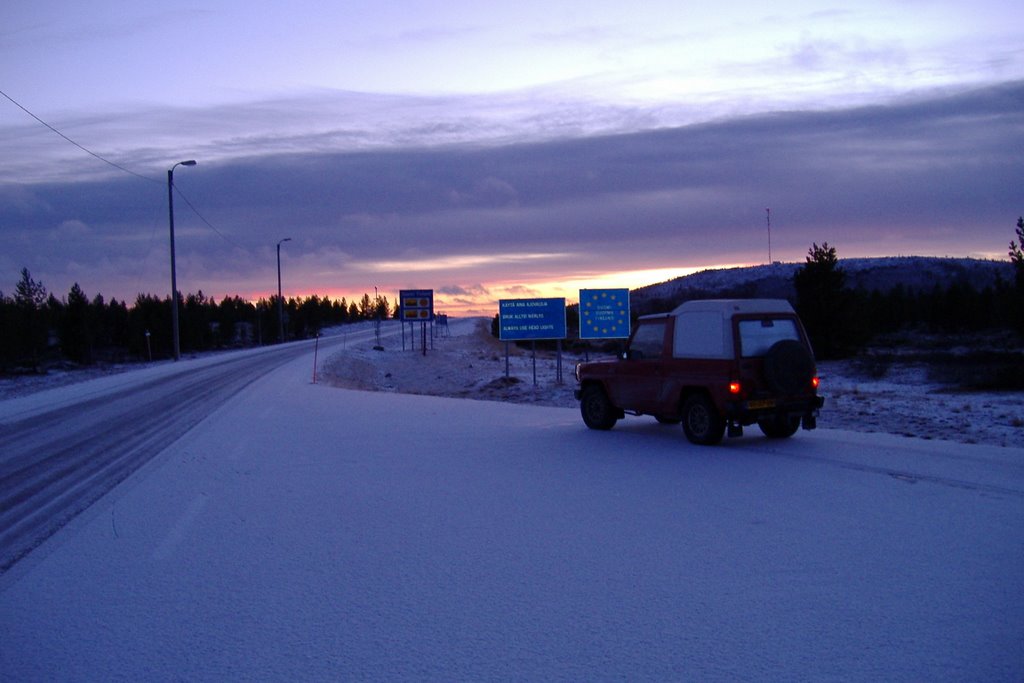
(788, 367)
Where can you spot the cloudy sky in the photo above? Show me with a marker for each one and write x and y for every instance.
(491, 150)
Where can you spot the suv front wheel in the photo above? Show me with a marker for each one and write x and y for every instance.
(701, 422)
(597, 411)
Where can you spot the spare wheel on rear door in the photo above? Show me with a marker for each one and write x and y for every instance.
(788, 367)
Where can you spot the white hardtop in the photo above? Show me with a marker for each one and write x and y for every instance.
(702, 330)
(729, 307)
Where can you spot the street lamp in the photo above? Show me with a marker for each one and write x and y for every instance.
(174, 278)
(280, 305)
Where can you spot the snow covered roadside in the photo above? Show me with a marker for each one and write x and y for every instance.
(69, 378)
(467, 362)
(312, 533)
(470, 363)
(464, 361)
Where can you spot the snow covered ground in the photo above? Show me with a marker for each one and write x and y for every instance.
(313, 532)
(470, 363)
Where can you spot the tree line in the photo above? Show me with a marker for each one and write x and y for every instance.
(38, 328)
(841, 320)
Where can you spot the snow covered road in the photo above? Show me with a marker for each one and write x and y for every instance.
(311, 533)
(64, 450)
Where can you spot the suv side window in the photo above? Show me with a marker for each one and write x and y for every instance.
(649, 340)
(757, 336)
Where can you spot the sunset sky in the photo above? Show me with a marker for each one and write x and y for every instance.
(497, 150)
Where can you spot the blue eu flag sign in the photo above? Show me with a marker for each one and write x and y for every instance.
(604, 313)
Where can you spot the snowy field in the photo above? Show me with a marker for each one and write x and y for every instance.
(465, 361)
(316, 532)
(468, 362)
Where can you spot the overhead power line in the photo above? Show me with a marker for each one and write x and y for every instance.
(208, 224)
(81, 147)
(121, 168)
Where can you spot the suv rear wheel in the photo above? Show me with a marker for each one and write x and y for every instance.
(597, 411)
(779, 427)
(701, 422)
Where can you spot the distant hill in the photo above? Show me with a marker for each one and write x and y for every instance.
(776, 280)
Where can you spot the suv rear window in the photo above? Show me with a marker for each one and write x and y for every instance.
(757, 336)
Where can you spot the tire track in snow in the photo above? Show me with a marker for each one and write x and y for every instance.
(58, 463)
(905, 475)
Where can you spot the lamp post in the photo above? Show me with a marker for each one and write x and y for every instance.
(376, 318)
(174, 277)
(280, 304)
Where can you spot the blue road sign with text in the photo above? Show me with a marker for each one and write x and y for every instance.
(522, 319)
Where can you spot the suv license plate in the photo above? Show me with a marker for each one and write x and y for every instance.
(760, 405)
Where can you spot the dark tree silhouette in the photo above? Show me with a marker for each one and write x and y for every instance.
(75, 328)
(1017, 259)
(31, 320)
(1017, 256)
(825, 304)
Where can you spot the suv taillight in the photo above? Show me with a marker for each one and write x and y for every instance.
(735, 388)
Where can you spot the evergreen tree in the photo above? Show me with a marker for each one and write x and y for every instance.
(117, 323)
(29, 293)
(1017, 255)
(196, 322)
(825, 304)
(1017, 259)
(149, 327)
(366, 308)
(7, 322)
(74, 328)
(31, 329)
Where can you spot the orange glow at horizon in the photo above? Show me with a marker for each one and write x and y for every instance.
(485, 303)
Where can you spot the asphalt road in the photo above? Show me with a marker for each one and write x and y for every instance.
(56, 460)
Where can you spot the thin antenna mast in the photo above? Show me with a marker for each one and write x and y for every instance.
(768, 214)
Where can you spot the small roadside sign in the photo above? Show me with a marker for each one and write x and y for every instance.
(416, 305)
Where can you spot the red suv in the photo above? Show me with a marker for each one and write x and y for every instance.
(712, 365)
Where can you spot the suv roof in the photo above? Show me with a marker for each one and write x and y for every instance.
(731, 306)
(727, 307)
